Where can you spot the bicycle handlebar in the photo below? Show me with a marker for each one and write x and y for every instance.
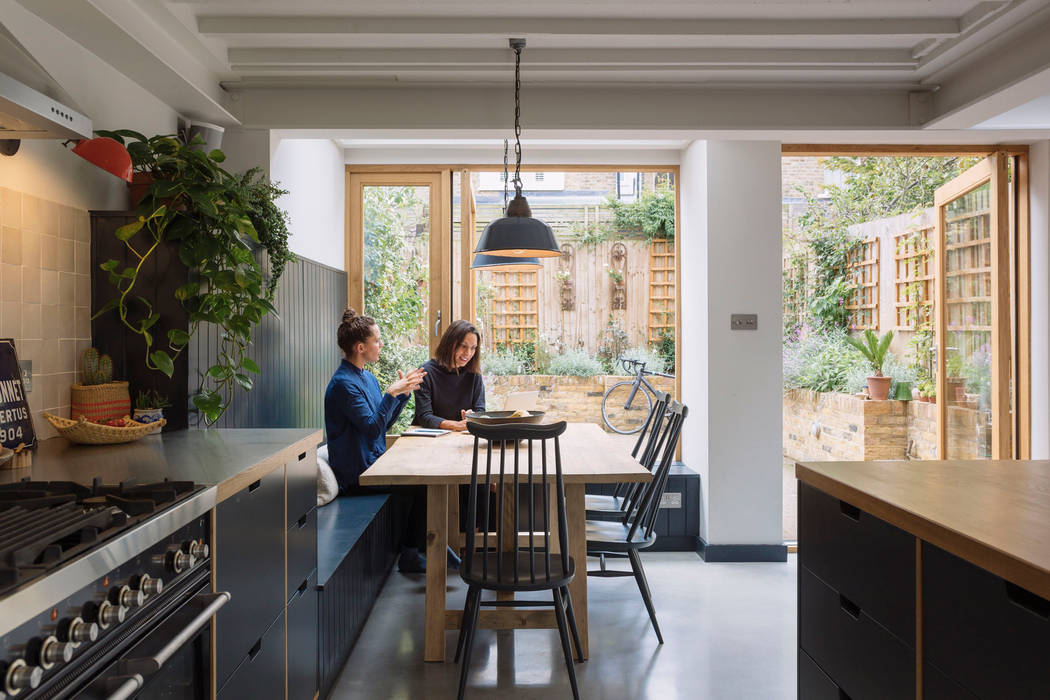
(629, 366)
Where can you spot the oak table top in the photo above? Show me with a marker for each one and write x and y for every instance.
(588, 456)
(993, 513)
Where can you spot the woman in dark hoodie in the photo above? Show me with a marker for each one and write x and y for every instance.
(452, 385)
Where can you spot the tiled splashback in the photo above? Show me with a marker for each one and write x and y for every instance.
(45, 295)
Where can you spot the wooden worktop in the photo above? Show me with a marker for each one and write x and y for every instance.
(228, 459)
(995, 514)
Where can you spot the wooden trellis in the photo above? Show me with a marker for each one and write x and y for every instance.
(515, 307)
(914, 274)
(661, 289)
(863, 270)
(795, 270)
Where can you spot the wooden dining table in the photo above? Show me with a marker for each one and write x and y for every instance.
(589, 456)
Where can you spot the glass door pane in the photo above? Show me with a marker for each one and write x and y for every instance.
(968, 331)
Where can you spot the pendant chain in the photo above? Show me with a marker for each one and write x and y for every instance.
(506, 177)
(517, 121)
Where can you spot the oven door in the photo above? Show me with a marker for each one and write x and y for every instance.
(172, 661)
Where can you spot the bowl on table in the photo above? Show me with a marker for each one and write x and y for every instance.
(505, 417)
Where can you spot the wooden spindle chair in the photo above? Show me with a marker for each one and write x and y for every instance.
(500, 459)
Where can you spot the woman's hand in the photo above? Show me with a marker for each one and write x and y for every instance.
(406, 383)
(457, 425)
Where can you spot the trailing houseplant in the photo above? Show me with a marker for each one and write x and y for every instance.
(874, 349)
(214, 217)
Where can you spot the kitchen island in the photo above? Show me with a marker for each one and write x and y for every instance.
(924, 579)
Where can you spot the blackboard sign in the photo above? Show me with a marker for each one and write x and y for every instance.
(16, 422)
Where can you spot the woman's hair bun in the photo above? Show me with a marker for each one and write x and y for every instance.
(349, 315)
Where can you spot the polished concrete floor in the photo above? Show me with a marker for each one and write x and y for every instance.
(729, 632)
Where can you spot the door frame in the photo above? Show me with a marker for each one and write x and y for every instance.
(439, 180)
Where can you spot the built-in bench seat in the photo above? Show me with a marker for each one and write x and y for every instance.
(357, 540)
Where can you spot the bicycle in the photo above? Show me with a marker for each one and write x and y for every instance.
(622, 409)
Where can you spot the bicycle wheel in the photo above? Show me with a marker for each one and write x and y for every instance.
(622, 417)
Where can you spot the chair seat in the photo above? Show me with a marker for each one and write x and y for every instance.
(558, 578)
(605, 536)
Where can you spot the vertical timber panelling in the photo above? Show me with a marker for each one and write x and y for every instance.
(296, 352)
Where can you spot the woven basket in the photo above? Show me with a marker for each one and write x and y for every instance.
(85, 433)
(100, 402)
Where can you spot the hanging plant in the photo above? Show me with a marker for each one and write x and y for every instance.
(216, 219)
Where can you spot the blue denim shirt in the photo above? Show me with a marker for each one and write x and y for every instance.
(357, 414)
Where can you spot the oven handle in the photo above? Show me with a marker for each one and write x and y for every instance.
(152, 664)
(127, 688)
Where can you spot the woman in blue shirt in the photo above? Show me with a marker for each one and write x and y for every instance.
(357, 415)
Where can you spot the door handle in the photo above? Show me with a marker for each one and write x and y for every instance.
(127, 688)
(151, 664)
(437, 324)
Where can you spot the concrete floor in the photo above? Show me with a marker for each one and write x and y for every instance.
(729, 632)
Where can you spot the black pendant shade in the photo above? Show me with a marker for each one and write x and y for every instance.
(502, 263)
(518, 235)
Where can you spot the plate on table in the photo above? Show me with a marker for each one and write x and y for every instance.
(506, 417)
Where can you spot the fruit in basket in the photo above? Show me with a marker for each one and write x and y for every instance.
(116, 423)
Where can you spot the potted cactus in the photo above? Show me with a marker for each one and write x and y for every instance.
(98, 398)
(150, 405)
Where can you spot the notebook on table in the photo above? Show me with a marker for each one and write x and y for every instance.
(424, 432)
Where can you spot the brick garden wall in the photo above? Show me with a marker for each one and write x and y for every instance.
(577, 399)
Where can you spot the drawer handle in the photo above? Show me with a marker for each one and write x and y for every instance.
(301, 522)
(254, 651)
(851, 512)
(1037, 605)
(849, 607)
(302, 456)
(254, 485)
(302, 586)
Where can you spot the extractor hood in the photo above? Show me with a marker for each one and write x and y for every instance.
(32, 104)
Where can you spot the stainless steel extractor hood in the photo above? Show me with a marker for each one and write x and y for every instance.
(32, 104)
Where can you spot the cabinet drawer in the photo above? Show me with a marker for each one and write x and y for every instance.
(249, 563)
(814, 684)
(862, 557)
(302, 484)
(260, 674)
(937, 686)
(302, 550)
(990, 636)
(860, 656)
(302, 640)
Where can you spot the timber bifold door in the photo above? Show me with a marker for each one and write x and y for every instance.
(975, 312)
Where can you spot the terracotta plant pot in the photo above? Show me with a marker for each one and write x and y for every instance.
(879, 388)
(140, 183)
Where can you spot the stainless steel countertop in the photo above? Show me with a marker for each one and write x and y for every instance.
(208, 457)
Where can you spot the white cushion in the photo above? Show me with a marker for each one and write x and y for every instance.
(327, 486)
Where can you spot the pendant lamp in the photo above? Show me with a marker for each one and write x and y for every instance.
(106, 154)
(517, 234)
(503, 263)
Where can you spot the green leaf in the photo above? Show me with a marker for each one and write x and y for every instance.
(126, 231)
(238, 277)
(187, 290)
(219, 372)
(108, 306)
(178, 337)
(128, 273)
(217, 156)
(150, 322)
(110, 265)
(244, 380)
(163, 362)
(249, 364)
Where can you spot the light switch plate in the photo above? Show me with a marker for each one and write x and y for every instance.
(743, 322)
(26, 367)
(671, 499)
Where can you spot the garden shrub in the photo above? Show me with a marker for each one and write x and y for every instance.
(575, 363)
(502, 362)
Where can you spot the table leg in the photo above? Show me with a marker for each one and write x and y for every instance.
(455, 536)
(510, 530)
(437, 541)
(576, 510)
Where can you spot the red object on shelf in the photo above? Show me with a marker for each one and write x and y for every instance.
(106, 154)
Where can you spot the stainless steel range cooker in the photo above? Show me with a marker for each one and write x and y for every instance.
(105, 590)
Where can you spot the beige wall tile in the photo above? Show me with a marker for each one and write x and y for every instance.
(30, 350)
(44, 430)
(51, 213)
(82, 290)
(31, 285)
(11, 245)
(10, 282)
(49, 290)
(82, 226)
(48, 252)
(67, 321)
(32, 216)
(82, 320)
(82, 258)
(66, 287)
(49, 363)
(36, 396)
(11, 319)
(67, 355)
(51, 320)
(11, 207)
(66, 256)
(32, 329)
(67, 223)
(31, 249)
(62, 398)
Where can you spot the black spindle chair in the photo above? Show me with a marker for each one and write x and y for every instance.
(626, 496)
(527, 568)
(638, 531)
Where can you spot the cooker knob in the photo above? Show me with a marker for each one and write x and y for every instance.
(179, 561)
(130, 598)
(110, 614)
(80, 631)
(149, 585)
(54, 651)
(21, 676)
(198, 549)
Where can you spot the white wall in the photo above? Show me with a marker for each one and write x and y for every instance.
(1039, 156)
(313, 172)
(732, 380)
